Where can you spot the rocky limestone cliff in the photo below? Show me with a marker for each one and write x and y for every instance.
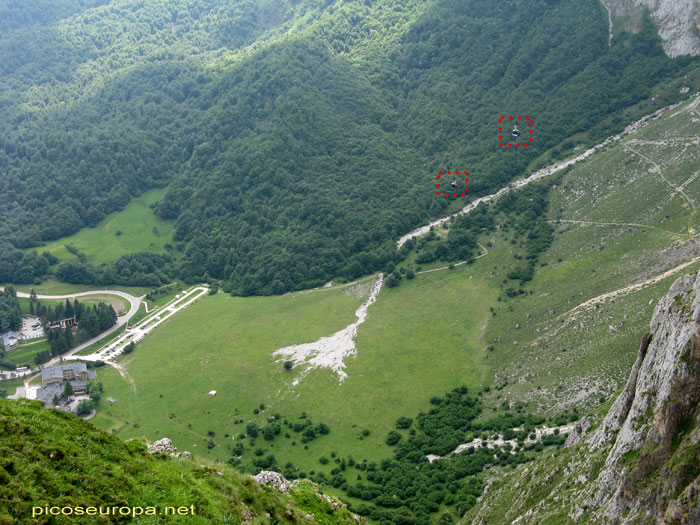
(653, 466)
(637, 463)
(678, 21)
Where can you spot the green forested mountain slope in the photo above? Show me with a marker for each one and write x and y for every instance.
(296, 139)
(15, 14)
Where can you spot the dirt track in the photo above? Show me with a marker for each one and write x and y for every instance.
(587, 305)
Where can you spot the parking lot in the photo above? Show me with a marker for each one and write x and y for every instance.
(136, 333)
(30, 330)
(27, 332)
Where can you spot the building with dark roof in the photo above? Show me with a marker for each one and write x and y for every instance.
(53, 379)
(46, 393)
(73, 372)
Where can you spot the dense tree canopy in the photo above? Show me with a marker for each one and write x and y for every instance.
(91, 320)
(10, 311)
(297, 139)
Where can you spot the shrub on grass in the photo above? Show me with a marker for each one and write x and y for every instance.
(404, 422)
(393, 438)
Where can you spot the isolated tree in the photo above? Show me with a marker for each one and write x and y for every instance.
(67, 389)
(251, 429)
(55, 399)
(288, 365)
(94, 390)
(84, 408)
(268, 433)
(404, 422)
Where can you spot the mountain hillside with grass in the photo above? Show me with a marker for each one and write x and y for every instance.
(535, 302)
(276, 150)
(624, 224)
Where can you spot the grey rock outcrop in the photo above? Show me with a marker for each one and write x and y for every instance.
(279, 482)
(161, 445)
(165, 446)
(677, 21)
(638, 464)
(275, 479)
(652, 430)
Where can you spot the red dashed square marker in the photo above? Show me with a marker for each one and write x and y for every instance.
(515, 134)
(454, 186)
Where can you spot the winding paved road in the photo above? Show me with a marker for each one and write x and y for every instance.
(135, 303)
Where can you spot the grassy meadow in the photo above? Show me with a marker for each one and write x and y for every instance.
(420, 339)
(53, 287)
(616, 223)
(134, 229)
(24, 353)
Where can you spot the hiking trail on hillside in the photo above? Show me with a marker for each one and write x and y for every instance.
(331, 351)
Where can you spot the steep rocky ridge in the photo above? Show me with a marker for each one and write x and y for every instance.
(641, 463)
(677, 20)
(655, 418)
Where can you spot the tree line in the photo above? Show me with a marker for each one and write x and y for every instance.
(304, 160)
(10, 310)
(91, 320)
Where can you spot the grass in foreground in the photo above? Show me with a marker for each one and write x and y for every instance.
(53, 458)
